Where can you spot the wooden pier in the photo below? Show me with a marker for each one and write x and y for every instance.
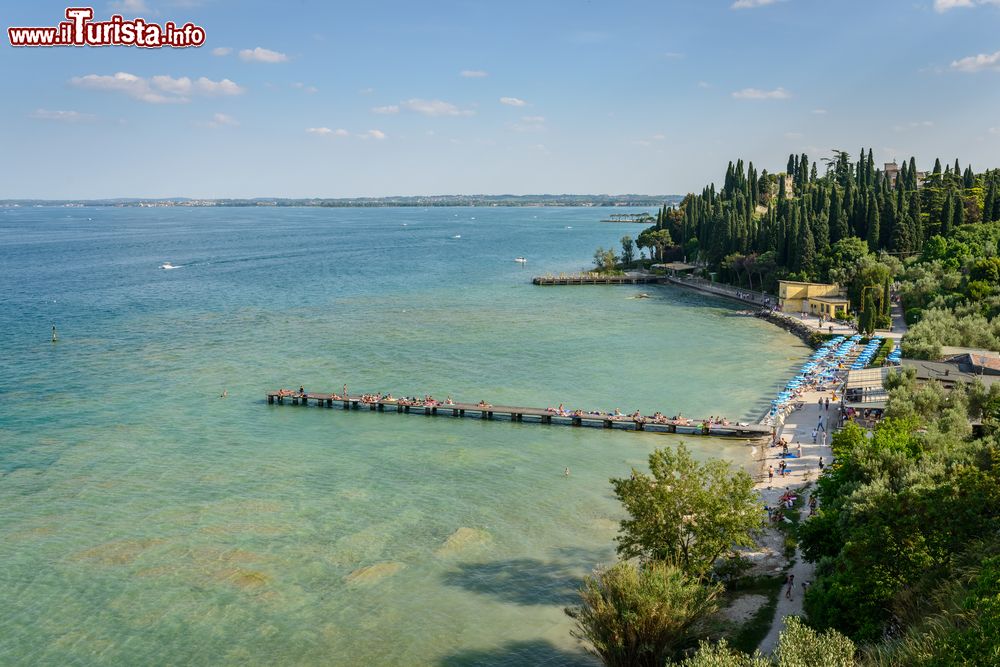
(520, 414)
(638, 218)
(596, 279)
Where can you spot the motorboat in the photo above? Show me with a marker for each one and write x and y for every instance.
(520, 260)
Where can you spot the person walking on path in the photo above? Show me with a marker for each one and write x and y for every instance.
(798, 449)
(770, 475)
(814, 434)
(789, 583)
(827, 403)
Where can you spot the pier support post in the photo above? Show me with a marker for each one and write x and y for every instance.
(490, 415)
(547, 419)
(454, 413)
(639, 426)
(295, 400)
(354, 405)
(406, 409)
(577, 421)
(347, 406)
(399, 408)
(461, 413)
(371, 406)
(270, 399)
(427, 412)
(608, 423)
(482, 415)
(434, 411)
(381, 407)
(329, 402)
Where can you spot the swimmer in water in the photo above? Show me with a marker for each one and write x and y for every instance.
(566, 472)
(224, 394)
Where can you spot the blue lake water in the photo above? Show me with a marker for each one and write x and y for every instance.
(145, 520)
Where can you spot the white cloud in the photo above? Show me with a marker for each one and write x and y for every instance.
(327, 132)
(434, 108)
(261, 55)
(373, 134)
(63, 116)
(136, 6)
(758, 94)
(473, 73)
(221, 51)
(704, 84)
(160, 89)
(387, 109)
(751, 4)
(123, 82)
(530, 124)
(513, 101)
(366, 91)
(913, 125)
(995, 130)
(223, 119)
(977, 63)
(819, 112)
(304, 88)
(659, 137)
(941, 6)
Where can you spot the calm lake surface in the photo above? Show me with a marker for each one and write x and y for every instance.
(145, 520)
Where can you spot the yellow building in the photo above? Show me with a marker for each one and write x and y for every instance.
(813, 298)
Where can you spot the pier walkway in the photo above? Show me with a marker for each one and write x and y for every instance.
(596, 279)
(523, 414)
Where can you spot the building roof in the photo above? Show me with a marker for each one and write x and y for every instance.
(866, 378)
(945, 372)
(830, 299)
(675, 266)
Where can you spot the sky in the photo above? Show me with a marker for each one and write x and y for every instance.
(309, 98)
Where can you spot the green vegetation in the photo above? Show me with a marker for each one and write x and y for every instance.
(752, 632)
(936, 235)
(798, 646)
(642, 616)
(899, 509)
(686, 512)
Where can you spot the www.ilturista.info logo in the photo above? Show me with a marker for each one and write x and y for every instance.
(80, 30)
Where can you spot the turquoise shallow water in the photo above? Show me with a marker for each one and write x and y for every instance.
(147, 521)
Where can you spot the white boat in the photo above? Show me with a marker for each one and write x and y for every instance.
(520, 260)
(167, 265)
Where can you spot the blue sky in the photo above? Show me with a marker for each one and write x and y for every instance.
(334, 99)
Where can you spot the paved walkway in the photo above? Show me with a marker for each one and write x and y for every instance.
(797, 429)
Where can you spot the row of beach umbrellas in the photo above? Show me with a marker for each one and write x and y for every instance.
(821, 367)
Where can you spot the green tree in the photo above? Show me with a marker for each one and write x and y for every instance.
(628, 251)
(686, 512)
(798, 646)
(641, 616)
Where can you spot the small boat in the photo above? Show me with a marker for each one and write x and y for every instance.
(167, 266)
(520, 260)
(457, 236)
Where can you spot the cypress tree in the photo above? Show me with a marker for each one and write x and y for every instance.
(937, 166)
(887, 301)
(867, 317)
(989, 201)
(969, 178)
(872, 235)
(947, 215)
(959, 211)
(807, 247)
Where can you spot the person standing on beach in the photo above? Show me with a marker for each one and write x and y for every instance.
(827, 403)
(798, 449)
(770, 476)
